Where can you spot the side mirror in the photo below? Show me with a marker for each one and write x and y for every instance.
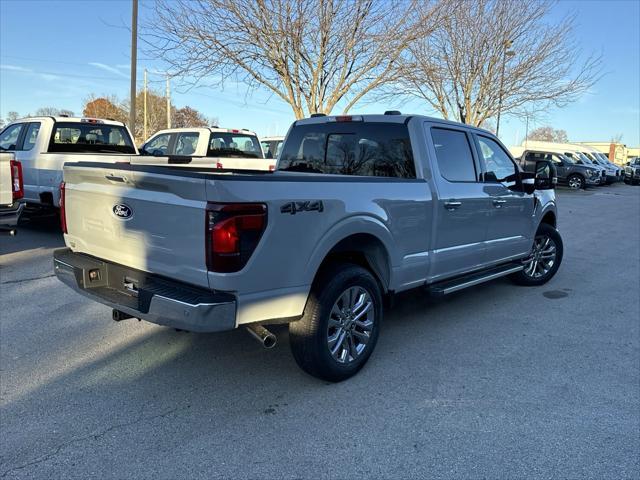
(545, 178)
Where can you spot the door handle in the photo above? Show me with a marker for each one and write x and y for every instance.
(452, 204)
(497, 202)
(116, 178)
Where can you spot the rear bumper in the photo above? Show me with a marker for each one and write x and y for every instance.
(9, 216)
(146, 296)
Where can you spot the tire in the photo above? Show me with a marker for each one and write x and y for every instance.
(576, 182)
(545, 267)
(329, 316)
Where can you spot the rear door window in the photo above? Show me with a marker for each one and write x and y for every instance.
(186, 143)
(453, 153)
(10, 135)
(31, 136)
(350, 148)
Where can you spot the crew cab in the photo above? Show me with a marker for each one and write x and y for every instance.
(359, 208)
(11, 191)
(43, 144)
(222, 148)
(576, 176)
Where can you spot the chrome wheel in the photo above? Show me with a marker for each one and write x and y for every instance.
(542, 258)
(350, 324)
(575, 183)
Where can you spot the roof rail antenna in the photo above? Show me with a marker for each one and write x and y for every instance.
(393, 112)
(314, 115)
(214, 126)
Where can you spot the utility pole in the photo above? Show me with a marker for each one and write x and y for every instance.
(134, 63)
(168, 104)
(145, 106)
(507, 53)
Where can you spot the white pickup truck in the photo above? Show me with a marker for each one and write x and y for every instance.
(11, 191)
(43, 144)
(359, 208)
(221, 148)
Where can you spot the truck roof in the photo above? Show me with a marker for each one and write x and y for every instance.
(395, 117)
(70, 119)
(212, 129)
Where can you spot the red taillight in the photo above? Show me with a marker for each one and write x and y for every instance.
(272, 168)
(219, 165)
(344, 118)
(17, 185)
(233, 232)
(63, 214)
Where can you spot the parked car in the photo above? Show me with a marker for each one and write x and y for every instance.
(611, 171)
(605, 160)
(632, 171)
(43, 144)
(272, 146)
(574, 152)
(360, 207)
(11, 191)
(570, 173)
(222, 148)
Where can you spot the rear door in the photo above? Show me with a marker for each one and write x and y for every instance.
(152, 221)
(509, 233)
(463, 206)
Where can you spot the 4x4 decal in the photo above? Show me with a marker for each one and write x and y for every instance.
(308, 206)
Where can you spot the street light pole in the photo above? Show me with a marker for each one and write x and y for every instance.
(134, 63)
(506, 53)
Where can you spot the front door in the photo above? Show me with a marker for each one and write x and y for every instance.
(463, 208)
(510, 233)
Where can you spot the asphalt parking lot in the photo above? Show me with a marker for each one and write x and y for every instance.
(494, 382)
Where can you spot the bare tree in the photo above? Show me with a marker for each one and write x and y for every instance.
(548, 134)
(313, 54)
(497, 55)
(52, 111)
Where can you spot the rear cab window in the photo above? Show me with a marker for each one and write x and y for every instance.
(349, 148)
(227, 144)
(90, 137)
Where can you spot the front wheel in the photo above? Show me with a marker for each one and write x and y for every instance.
(575, 182)
(544, 260)
(339, 329)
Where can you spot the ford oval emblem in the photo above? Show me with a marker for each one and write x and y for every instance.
(122, 211)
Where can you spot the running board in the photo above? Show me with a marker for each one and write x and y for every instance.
(450, 286)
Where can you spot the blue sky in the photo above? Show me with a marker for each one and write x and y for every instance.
(56, 53)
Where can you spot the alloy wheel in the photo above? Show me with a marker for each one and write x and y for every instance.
(350, 325)
(542, 257)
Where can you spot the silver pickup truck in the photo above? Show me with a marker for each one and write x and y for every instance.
(359, 208)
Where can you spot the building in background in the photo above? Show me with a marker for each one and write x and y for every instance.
(618, 153)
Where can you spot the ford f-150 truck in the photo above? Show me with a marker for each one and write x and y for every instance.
(223, 148)
(43, 144)
(359, 208)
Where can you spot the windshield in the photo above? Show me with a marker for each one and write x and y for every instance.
(566, 159)
(74, 137)
(222, 144)
(584, 158)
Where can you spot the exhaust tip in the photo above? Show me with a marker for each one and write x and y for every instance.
(262, 335)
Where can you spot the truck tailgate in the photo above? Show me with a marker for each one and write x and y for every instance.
(148, 221)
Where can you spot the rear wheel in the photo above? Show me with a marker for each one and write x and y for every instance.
(339, 329)
(544, 260)
(575, 182)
